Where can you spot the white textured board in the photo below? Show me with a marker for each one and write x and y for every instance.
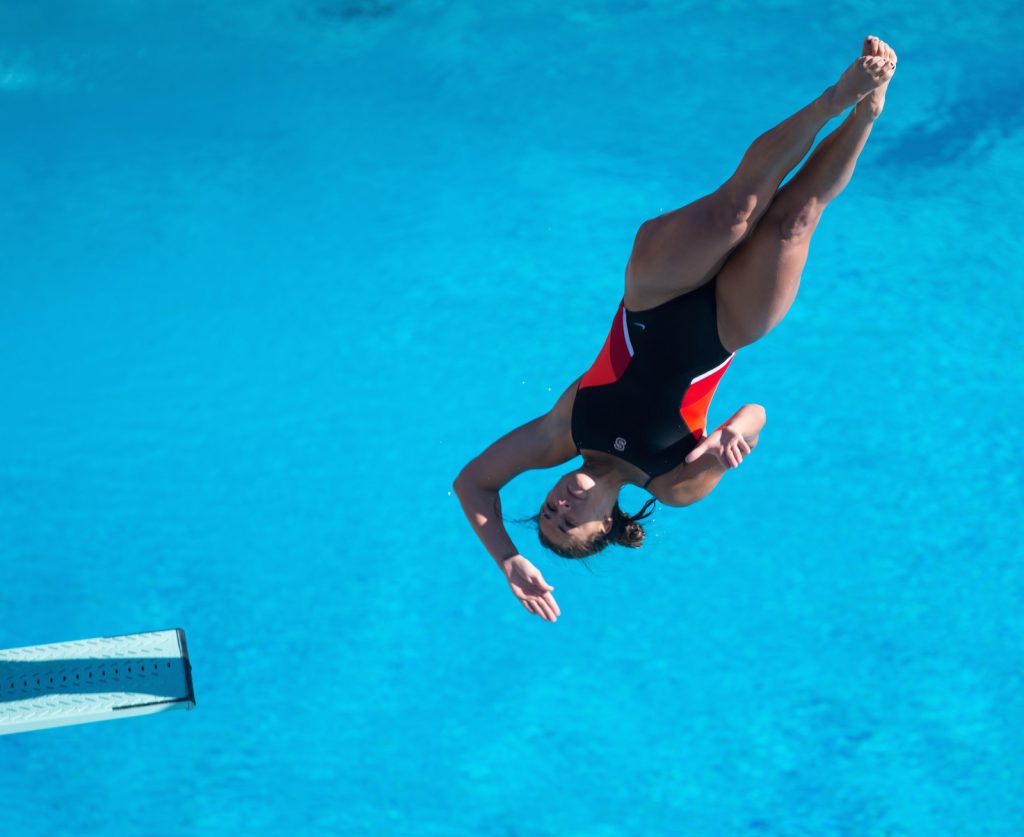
(94, 680)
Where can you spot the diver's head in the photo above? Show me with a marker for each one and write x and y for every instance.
(581, 516)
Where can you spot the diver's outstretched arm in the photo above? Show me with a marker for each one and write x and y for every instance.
(541, 443)
(532, 445)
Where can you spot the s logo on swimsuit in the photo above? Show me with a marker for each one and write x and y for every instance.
(620, 444)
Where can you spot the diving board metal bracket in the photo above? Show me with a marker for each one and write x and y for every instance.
(94, 680)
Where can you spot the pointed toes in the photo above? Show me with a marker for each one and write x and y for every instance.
(871, 46)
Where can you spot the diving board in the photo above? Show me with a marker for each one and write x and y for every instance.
(94, 680)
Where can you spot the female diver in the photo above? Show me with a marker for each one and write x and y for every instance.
(702, 282)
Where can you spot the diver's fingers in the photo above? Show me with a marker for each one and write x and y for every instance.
(744, 446)
(552, 604)
(543, 610)
(698, 451)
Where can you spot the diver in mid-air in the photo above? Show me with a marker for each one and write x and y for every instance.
(702, 282)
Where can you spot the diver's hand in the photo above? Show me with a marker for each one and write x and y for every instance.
(726, 444)
(530, 588)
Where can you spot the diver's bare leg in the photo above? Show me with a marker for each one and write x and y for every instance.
(681, 250)
(759, 281)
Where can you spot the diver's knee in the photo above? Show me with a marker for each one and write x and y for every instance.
(796, 225)
(733, 212)
(738, 204)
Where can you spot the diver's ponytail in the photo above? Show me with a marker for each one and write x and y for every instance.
(626, 529)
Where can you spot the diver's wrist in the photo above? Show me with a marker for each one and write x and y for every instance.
(506, 559)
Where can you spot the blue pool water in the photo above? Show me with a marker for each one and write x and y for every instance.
(272, 272)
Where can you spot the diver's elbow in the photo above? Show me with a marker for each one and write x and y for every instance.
(461, 481)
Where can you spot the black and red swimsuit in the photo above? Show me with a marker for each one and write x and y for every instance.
(646, 397)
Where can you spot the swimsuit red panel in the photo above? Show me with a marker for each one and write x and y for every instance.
(614, 356)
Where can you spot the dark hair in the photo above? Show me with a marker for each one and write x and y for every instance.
(625, 531)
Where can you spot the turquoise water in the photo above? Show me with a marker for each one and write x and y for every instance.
(273, 272)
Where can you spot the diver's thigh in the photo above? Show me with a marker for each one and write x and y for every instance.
(681, 250)
(759, 281)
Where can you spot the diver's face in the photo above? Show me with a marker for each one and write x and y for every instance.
(575, 510)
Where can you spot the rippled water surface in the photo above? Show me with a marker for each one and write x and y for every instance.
(272, 272)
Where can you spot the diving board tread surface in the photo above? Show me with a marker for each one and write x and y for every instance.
(94, 680)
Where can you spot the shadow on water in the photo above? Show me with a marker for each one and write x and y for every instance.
(342, 11)
(26, 679)
(966, 126)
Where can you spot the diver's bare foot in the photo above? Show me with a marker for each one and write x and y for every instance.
(872, 104)
(861, 78)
